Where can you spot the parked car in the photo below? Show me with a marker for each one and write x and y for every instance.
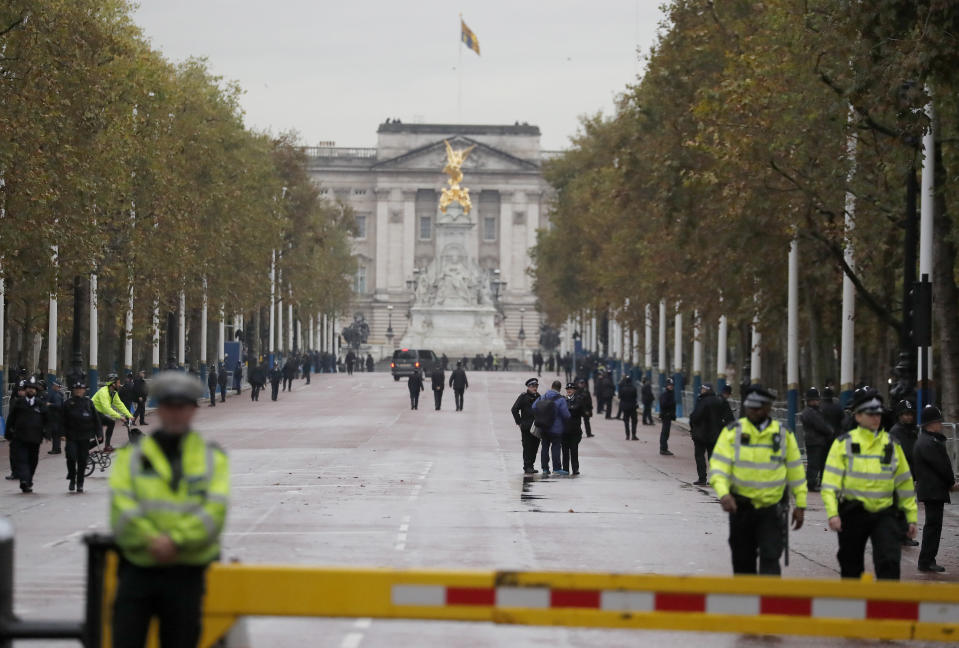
(408, 361)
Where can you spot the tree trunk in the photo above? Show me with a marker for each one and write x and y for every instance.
(945, 306)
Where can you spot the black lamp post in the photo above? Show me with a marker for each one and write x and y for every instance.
(389, 328)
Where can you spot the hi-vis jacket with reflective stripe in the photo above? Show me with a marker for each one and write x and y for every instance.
(110, 406)
(144, 502)
(758, 464)
(868, 467)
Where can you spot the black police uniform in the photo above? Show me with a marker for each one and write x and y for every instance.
(81, 423)
(438, 383)
(211, 382)
(459, 383)
(29, 419)
(522, 411)
(415, 385)
(573, 433)
(275, 377)
(628, 403)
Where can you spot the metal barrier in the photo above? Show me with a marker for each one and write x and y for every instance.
(753, 604)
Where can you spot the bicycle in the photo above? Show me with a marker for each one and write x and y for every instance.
(97, 458)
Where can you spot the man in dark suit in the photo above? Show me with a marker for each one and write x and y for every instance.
(438, 382)
(667, 414)
(934, 479)
(708, 419)
(460, 384)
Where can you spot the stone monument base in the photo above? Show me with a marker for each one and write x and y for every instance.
(456, 331)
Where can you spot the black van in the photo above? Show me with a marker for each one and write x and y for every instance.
(408, 361)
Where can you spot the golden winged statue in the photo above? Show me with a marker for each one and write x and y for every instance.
(454, 169)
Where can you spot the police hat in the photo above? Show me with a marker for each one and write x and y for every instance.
(706, 387)
(828, 393)
(531, 382)
(669, 381)
(570, 385)
(78, 384)
(176, 387)
(32, 382)
(866, 400)
(757, 396)
(812, 394)
(22, 384)
(905, 406)
(930, 414)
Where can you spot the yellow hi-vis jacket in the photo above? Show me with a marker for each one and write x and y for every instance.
(144, 502)
(112, 407)
(758, 465)
(869, 467)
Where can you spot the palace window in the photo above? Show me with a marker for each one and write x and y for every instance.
(359, 281)
(426, 228)
(489, 228)
(360, 229)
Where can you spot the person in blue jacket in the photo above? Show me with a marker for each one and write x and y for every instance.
(552, 435)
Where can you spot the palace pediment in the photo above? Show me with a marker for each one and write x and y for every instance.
(482, 159)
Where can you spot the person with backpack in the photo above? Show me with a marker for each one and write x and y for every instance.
(550, 413)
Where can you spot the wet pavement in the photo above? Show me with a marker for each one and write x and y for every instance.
(342, 472)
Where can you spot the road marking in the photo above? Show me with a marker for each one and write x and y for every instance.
(405, 527)
(400, 546)
(363, 624)
(352, 640)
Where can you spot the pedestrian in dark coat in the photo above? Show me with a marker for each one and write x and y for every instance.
(522, 412)
(289, 371)
(906, 432)
(648, 400)
(628, 403)
(438, 384)
(30, 420)
(818, 436)
(460, 384)
(705, 424)
(605, 389)
(55, 405)
(211, 383)
(222, 382)
(140, 389)
(552, 437)
(350, 361)
(370, 364)
(415, 384)
(573, 433)
(667, 414)
(934, 479)
(81, 423)
(275, 377)
(583, 388)
(832, 411)
(257, 380)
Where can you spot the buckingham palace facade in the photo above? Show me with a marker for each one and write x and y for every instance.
(394, 192)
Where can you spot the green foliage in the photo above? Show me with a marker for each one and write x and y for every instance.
(144, 172)
(735, 140)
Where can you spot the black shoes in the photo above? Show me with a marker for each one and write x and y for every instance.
(700, 482)
(908, 542)
(53, 452)
(938, 569)
(26, 488)
(635, 438)
(79, 489)
(11, 478)
(72, 486)
(666, 453)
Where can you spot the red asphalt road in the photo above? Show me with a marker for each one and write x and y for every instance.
(342, 472)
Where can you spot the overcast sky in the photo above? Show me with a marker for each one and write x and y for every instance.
(335, 69)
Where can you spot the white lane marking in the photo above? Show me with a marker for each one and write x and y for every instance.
(363, 624)
(401, 537)
(405, 527)
(406, 519)
(400, 546)
(352, 640)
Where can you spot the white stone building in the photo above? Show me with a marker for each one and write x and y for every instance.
(394, 190)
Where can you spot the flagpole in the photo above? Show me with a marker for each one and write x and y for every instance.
(459, 75)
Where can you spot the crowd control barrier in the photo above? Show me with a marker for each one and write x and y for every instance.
(860, 609)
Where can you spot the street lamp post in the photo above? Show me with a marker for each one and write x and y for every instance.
(389, 328)
(522, 333)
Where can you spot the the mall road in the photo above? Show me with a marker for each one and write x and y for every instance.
(342, 472)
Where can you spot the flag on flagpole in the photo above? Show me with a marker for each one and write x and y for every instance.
(468, 37)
